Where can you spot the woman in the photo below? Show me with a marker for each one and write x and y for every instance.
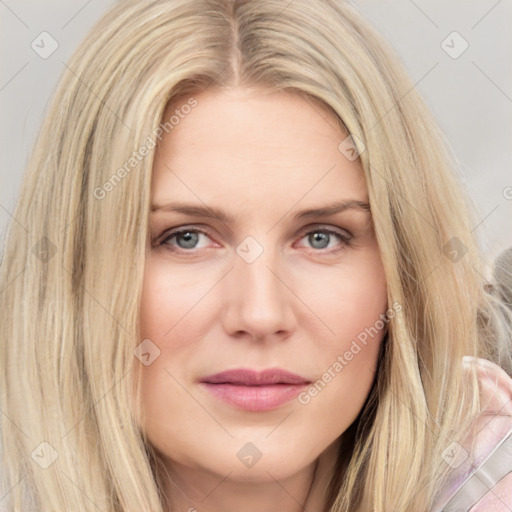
(242, 277)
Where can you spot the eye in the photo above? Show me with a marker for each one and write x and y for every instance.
(184, 239)
(325, 238)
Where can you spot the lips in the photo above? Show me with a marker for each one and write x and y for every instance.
(247, 377)
(254, 391)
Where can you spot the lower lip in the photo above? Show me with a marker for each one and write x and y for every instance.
(255, 398)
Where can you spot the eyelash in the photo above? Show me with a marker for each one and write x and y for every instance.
(345, 239)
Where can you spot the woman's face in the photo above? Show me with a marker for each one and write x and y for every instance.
(289, 279)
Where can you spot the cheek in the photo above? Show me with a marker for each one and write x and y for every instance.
(168, 297)
(340, 391)
(357, 313)
(349, 300)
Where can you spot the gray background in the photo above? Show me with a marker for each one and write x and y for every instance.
(470, 95)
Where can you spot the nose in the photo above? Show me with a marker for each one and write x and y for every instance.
(258, 300)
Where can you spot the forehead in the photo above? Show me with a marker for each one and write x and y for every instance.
(253, 147)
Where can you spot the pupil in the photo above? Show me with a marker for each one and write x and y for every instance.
(191, 239)
(323, 238)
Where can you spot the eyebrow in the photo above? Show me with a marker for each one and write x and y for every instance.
(216, 213)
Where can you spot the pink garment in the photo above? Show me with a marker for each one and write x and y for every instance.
(486, 452)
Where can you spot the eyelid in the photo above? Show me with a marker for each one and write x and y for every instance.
(344, 233)
(344, 236)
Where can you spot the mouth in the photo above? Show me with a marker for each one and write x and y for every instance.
(255, 391)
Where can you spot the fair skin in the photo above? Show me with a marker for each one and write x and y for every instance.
(261, 157)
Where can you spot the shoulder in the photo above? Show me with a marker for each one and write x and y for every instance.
(481, 476)
(495, 385)
(492, 442)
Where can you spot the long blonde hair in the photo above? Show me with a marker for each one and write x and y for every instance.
(73, 265)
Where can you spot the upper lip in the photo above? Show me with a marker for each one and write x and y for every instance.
(248, 377)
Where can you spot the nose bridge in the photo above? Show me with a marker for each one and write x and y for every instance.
(257, 300)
